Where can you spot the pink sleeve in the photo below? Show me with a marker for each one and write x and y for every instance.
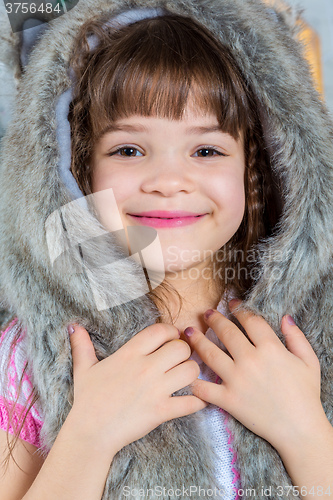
(30, 431)
(14, 403)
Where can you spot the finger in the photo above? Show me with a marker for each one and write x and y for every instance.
(210, 353)
(152, 337)
(257, 329)
(297, 343)
(83, 351)
(171, 354)
(232, 337)
(215, 394)
(180, 406)
(182, 375)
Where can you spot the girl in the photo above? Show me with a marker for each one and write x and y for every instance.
(204, 155)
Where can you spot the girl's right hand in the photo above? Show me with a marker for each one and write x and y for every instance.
(126, 395)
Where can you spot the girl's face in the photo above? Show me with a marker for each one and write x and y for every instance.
(162, 167)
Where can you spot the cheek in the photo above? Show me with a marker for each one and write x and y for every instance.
(239, 203)
(110, 191)
(116, 181)
(228, 193)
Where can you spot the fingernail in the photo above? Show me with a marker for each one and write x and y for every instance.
(189, 331)
(290, 320)
(234, 303)
(70, 329)
(208, 313)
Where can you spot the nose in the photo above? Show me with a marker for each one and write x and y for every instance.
(168, 176)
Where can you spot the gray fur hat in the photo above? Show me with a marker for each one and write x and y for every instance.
(41, 286)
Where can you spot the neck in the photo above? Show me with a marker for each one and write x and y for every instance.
(198, 290)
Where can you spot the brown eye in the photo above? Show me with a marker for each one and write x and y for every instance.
(208, 153)
(127, 152)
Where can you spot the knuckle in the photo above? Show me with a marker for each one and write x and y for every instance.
(270, 347)
(191, 405)
(150, 333)
(252, 369)
(254, 365)
(155, 329)
(125, 352)
(87, 350)
(251, 316)
(228, 331)
(211, 356)
(163, 330)
(247, 315)
(183, 347)
(161, 409)
(193, 369)
(144, 371)
(200, 391)
(232, 401)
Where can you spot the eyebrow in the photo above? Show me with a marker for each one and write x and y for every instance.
(141, 128)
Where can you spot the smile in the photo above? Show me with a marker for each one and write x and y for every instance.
(160, 222)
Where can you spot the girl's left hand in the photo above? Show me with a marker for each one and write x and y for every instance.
(273, 390)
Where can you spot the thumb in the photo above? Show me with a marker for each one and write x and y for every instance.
(296, 341)
(83, 351)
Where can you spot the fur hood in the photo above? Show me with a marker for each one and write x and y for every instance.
(38, 247)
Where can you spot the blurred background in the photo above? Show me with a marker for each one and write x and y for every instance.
(317, 35)
(318, 14)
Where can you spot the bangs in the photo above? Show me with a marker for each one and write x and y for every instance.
(151, 67)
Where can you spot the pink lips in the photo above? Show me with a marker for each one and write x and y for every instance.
(163, 218)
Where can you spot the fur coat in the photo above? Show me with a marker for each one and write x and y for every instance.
(40, 284)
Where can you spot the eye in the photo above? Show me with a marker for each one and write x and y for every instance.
(126, 151)
(208, 152)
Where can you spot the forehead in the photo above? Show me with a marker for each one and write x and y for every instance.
(194, 121)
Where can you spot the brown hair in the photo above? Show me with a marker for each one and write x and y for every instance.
(149, 68)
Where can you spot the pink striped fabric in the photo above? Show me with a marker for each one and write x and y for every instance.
(14, 400)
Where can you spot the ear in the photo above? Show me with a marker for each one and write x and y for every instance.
(15, 49)
(32, 31)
